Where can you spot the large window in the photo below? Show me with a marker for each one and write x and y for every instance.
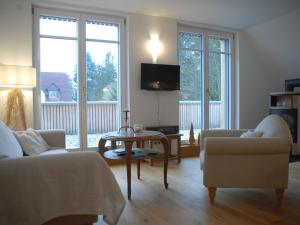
(78, 58)
(205, 76)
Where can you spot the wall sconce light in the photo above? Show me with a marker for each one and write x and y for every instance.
(16, 77)
(154, 47)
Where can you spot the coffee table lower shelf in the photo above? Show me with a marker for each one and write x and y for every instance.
(137, 154)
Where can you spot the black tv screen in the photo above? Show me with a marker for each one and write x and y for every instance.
(160, 77)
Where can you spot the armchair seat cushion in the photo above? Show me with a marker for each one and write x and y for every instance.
(251, 134)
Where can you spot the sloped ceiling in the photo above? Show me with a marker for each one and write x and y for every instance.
(277, 44)
(235, 14)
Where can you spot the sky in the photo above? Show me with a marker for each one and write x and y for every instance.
(60, 54)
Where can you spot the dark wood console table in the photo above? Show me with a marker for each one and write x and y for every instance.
(171, 137)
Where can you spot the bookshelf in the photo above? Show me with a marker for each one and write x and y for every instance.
(285, 105)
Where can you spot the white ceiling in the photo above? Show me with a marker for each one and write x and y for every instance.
(235, 14)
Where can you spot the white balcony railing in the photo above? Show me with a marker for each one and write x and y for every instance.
(101, 115)
(190, 111)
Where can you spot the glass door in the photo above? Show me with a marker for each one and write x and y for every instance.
(78, 59)
(191, 81)
(218, 74)
(205, 79)
(58, 43)
(103, 78)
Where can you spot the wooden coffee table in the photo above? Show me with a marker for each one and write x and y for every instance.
(129, 137)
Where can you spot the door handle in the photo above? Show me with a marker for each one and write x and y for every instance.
(207, 91)
(84, 91)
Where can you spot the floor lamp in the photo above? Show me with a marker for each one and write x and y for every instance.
(16, 78)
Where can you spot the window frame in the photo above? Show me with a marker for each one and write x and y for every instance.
(230, 83)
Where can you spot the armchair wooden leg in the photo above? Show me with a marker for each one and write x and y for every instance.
(212, 194)
(279, 195)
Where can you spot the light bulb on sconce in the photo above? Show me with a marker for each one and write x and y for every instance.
(154, 46)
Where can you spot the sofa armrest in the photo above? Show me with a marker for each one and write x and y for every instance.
(244, 146)
(54, 138)
(219, 133)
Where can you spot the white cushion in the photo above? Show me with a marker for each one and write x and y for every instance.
(251, 134)
(275, 126)
(31, 141)
(9, 146)
(54, 152)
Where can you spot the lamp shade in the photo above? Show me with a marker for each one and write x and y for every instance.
(17, 76)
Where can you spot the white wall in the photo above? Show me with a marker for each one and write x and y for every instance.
(277, 47)
(16, 44)
(277, 43)
(144, 104)
(269, 54)
(16, 49)
(254, 76)
(255, 84)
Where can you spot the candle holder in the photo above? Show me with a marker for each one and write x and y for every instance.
(126, 119)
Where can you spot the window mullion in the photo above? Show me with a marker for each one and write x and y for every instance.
(58, 37)
(205, 89)
(191, 49)
(102, 41)
(81, 81)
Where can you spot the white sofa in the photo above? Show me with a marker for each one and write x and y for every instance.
(51, 188)
(56, 139)
(229, 161)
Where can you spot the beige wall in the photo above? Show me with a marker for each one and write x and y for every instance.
(269, 54)
(144, 104)
(255, 84)
(276, 44)
(16, 49)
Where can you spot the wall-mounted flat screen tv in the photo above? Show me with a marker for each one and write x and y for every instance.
(160, 77)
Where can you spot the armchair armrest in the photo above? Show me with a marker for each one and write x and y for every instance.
(54, 138)
(219, 133)
(244, 146)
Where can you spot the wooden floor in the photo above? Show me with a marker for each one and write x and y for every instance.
(186, 201)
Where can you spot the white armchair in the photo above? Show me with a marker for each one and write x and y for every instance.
(230, 161)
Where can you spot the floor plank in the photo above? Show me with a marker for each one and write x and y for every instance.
(186, 201)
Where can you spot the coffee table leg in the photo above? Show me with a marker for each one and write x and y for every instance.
(179, 149)
(101, 147)
(138, 168)
(128, 148)
(113, 144)
(138, 162)
(166, 145)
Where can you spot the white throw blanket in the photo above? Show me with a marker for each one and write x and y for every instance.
(36, 189)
